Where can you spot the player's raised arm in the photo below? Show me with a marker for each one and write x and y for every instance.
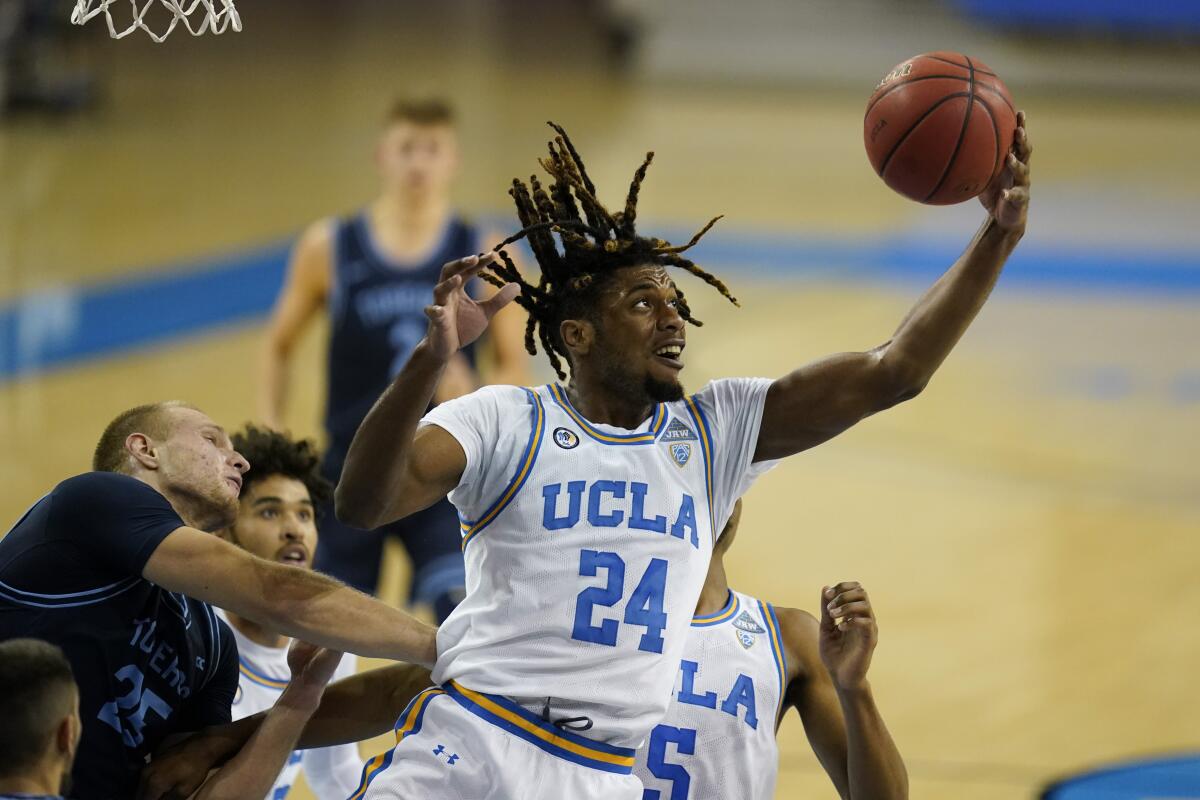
(820, 400)
(253, 771)
(393, 469)
(828, 662)
(295, 602)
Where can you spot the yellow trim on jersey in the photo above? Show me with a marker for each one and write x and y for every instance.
(732, 605)
(660, 416)
(483, 701)
(707, 450)
(260, 679)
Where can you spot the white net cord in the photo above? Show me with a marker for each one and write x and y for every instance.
(198, 16)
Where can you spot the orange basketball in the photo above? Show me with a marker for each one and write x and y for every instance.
(938, 127)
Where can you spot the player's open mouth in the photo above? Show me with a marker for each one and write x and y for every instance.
(294, 554)
(670, 355)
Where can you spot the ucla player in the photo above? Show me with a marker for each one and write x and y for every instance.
(590, 508)
(277, 520)
(374, 273)
(745, 663)
(116, 568)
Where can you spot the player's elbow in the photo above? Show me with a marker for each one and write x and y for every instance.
(899, 380)
(355, 508)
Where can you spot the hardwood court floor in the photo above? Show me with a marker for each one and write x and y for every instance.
(1027, 527)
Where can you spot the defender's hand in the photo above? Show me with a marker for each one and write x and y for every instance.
(1007, 199)
(312, 668)
(848, 633)
(455, 318)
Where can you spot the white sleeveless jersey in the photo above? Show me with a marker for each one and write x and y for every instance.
(717, 740)
(331, 772)
(586, 546)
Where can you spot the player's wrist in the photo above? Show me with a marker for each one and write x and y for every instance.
(853, 688)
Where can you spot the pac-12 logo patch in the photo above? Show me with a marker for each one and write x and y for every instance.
(680, 452)
(746, 623)
(566, 439)
(677, 432)
(747, 639)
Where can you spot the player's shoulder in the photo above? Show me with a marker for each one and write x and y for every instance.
(723, 391)
(501, 398)
(105, 487)
(800, 632)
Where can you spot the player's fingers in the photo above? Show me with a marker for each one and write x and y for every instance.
(848, 596)
(1016, 198)
(442, 292)
(861, 624)
(500, 299)
(1021, 145)
(1019, 169)
(435, 313)
(826, 617)
(845, 586)
(861, 608)
(457, 266)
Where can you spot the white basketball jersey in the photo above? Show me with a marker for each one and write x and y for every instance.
(331, 772)
(586, 546)
(717, 740)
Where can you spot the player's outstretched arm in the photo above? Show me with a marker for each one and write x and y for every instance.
(822, 399)
(392, 469)
(828, 662)
(253, 771)
(295, 602)
(353, 709)
(305, 289)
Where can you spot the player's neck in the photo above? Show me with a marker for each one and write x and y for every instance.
(257, 633)
(195, 512)
(410, 217)
(598, 404)
(715, 593)
(46, 781)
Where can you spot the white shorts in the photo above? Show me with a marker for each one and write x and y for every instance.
(456, 744)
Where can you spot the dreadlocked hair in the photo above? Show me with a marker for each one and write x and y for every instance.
(591, 245)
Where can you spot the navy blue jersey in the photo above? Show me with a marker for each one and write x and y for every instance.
(377, 316)
(149, 663)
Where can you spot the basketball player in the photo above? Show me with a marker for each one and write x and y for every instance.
(590, 509)
(277, 521)
(744, 664)
(39, 702)
(374, 272)
(115, 567)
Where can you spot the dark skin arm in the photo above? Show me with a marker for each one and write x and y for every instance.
(820, 400)
(827, 685)
(351, 710)
(393, 469)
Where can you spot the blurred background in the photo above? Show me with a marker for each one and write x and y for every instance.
(1029, 528)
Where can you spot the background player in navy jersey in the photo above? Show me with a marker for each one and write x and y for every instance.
(374, 272)
(39, 703)
(115, 567)
(745, 663)
(277, 520)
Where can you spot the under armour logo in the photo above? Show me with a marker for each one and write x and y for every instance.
(450, 759)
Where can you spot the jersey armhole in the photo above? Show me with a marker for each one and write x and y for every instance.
(537, 414)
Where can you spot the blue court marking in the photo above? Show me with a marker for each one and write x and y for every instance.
(1168, 777)
(61, 326)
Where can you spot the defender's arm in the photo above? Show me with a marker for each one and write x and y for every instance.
(822, 399)
(307, 605)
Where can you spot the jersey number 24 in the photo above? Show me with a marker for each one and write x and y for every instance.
(644, 608)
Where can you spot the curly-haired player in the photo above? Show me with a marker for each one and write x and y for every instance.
(590, 508)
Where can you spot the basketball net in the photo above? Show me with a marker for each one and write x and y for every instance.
(198, 16)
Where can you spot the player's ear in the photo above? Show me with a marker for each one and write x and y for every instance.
(577, 335)
(142, 449)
